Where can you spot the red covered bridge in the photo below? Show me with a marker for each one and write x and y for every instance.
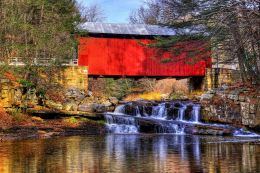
(119, 50)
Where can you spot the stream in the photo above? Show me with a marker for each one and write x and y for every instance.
(174, 117)
(131, 153)
(148, 137)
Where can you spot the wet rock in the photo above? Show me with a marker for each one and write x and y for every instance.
(110, 108)
(209, 130)
(188, 113)
(172, 113)
(45, 135)
(177, 105)
(100, 108)
(148, 109)
(130, 109)
(168, 105)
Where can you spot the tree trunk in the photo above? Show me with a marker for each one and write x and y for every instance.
(241, 54)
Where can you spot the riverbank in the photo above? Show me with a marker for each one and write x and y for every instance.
(22, 126)
(235, 105)
(85, 117)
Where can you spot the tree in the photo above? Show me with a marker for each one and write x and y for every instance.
(231, 26)
(92, 13)
(38, 30)
(149, 13)
(40, 34)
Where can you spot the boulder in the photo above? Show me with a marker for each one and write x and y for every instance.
(100, 108)
(107, 103)
(88, 107)
(113, 100)
(74, 93)
(70, 107)
(53, 105)
(206, 96)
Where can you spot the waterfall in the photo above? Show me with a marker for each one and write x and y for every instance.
(120, 109)
(159, 111)
(161, 118)
(137, 111)
(181, 113)
(195, 113)
(144, 112)
(121, 124)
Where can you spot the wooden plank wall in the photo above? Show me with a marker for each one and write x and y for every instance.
(127, 57)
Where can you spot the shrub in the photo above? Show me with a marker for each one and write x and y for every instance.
(118, 88)
(5, 119)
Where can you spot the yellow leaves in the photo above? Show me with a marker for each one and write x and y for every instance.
(144, 96)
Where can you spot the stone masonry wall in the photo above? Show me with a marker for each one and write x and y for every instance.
(76, 77)
(217, 77)
(11, 94)
(234, 106)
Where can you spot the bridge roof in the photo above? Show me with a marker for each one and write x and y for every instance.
(126, 29)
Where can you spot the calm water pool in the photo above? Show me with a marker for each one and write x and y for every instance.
(130, 154)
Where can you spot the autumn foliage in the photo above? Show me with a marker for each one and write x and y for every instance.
(5, 119)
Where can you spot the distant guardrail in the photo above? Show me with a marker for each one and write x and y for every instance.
(18, 61)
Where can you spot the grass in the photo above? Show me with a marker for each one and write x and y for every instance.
(71, 121)
(145, 96)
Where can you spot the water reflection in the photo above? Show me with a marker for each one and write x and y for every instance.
(129, 153)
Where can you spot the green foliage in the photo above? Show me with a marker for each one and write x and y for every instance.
(37, 32)
(26, 84)
(118, 88)
(41, 92)
(231, 29)
(98, 122)
(72, 120)
(40, 29)
(177, 95)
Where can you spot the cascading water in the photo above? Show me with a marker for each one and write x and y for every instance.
(120, 109)
(196, 113)
(121, 124)
(168, 117)
(159, 111)
(138, 114)
(181, 113)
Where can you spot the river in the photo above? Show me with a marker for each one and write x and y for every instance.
(131, 153)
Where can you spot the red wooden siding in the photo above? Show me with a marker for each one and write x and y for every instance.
(127, 57)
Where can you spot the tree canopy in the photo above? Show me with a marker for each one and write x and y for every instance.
(231, 26)
(41, 30)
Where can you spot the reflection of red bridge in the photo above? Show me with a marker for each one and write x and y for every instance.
(116, 50)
